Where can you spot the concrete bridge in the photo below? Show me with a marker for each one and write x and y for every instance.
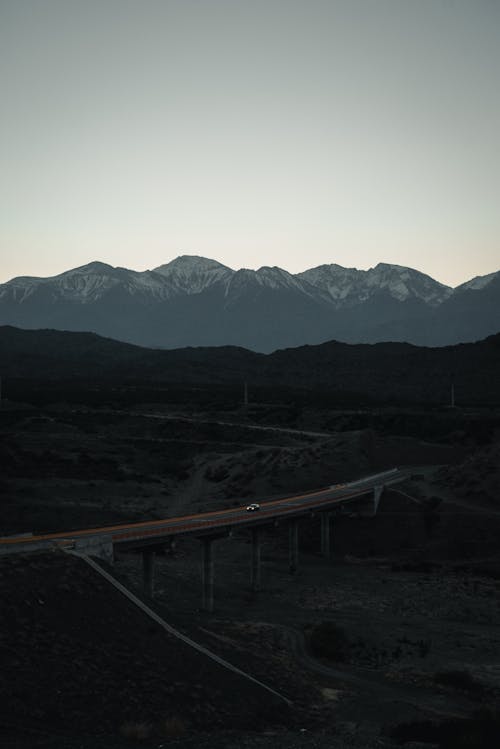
(152, 536)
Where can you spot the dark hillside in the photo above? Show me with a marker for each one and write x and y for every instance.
(79, 659)
(386, 372)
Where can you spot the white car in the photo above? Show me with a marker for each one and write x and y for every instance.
(253, 507)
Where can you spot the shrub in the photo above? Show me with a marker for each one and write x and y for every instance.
(135, 731)
(458, 680)
(328, 640)
(477, 732)
(173, 727)
(216, 473)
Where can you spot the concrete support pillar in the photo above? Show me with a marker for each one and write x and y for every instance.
(148, 571)
(325, 535)
(293, 546)
(377, 493)
(207, 575)
(255, 576)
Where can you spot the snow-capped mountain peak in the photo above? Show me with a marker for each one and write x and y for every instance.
(89, 282)
(262, 309)
(349, 286)
(265, 278)
(403, 283)
(276, 277)
(334, 281)
(93, 267)
(188, 264)
(192, 274)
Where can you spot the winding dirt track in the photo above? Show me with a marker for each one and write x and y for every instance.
(371, 681)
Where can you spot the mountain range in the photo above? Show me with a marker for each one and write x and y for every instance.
(195, 301)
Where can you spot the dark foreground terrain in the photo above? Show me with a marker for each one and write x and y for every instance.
(394, 639)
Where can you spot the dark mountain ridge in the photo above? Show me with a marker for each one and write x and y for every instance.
(382, 371)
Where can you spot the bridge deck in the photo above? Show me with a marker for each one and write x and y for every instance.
(128, 533)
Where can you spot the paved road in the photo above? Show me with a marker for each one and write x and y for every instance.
(300, 504)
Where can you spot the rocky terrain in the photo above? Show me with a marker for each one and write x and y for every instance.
(395, 638)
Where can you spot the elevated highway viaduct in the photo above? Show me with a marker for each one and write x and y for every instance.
(151, 536)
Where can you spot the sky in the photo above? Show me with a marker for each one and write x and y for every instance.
(254, 132)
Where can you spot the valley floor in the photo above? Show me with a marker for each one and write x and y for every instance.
(394, 638)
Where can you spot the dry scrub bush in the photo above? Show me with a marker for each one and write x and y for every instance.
(135, 731)
(328, 640)
(458, 680)
(480, 731)
(216, 473)
(174, 727)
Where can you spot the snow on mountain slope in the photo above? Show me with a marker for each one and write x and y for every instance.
(276, 278)
(350, 286)
(18, 289)
(266, 277)
(187, 274)
(191, 274)
(88, 283)
(336, 282)
(195, 301)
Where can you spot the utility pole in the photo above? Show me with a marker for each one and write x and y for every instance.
(245, 394)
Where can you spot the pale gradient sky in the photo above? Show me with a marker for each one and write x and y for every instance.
(254, 132)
